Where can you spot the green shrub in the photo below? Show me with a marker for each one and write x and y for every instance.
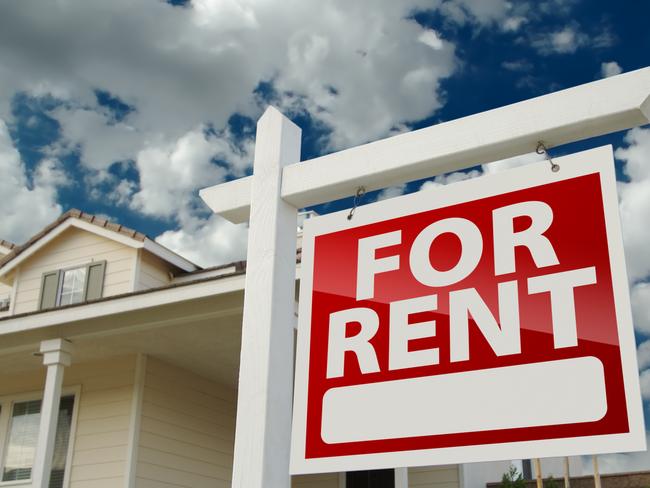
(551, 483)
(513, 479)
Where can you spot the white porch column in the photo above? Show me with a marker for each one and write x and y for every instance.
(401, 478)
(56, 356)
(263, 432)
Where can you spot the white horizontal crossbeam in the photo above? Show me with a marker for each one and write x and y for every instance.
(589, 110)
(233, 199)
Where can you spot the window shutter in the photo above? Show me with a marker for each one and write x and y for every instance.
(95, 280)
(49, 287)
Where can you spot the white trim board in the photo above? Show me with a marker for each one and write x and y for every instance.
(119, 304)
(134, 421)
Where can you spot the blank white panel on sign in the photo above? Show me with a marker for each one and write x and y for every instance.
(548, 393)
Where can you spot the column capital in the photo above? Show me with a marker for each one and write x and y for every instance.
(56, 351)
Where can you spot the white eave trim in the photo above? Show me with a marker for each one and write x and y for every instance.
(151, 246)
(170, 256)
(57, 231)
(205, 274)
(126, 303)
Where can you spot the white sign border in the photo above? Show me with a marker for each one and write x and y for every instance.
(598, 160)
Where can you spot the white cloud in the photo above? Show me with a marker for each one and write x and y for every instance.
(208, 242)
(635, 202)
(50, 174)
(183, 66)
(637, 154)
(361, 69)
(645, 384)
(99, 140)
(391, 192)
(611, 68)
(620, 463)
(640, 297)
(513, 24)
(26, 208)
(482, 12)
(566, 40)
(448, 178)
(517, 65)
(432, 39)
(362, 81)
(170, 174)
(643, 355)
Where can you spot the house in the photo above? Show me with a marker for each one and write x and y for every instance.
(5, 291)
(139, 348)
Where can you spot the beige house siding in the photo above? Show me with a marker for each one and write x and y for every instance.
(101, 437)
(153, 272)
(103, 422)
(6, 289)
(187, 430)
(327, 480)
(5, 292)
(434, 477)
(75, 247)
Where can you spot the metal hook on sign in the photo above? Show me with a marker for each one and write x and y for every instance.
(361, 191)
(541, 149)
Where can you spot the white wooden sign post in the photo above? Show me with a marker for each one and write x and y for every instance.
(263, 428)
(280, 185)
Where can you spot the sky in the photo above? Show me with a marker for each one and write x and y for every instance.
(126, 109)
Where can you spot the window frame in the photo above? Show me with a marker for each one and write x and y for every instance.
(60, 272)
(59, 286)
(6, 405)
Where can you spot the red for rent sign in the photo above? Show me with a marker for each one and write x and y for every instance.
(485, 320)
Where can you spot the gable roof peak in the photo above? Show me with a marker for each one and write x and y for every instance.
(131, 235)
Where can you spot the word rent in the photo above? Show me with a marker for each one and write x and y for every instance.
(502, 331)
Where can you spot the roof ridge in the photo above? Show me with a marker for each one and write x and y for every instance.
(7, 244)
(76, 214)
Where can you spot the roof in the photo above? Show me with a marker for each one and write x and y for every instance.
(118, 230)
(7, 244)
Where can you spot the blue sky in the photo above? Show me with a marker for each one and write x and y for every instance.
(126, 109)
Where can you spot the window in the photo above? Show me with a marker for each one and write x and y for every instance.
(380, 478)
(21, 441)
(19, 434)
(71, 289)
(73, 285)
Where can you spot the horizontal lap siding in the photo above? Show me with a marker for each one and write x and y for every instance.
(153, 272)
(75, 247)
(103, 422)
(5, 292)
(327, 480)
(104, 409)
(434, 477)
(187, 430)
